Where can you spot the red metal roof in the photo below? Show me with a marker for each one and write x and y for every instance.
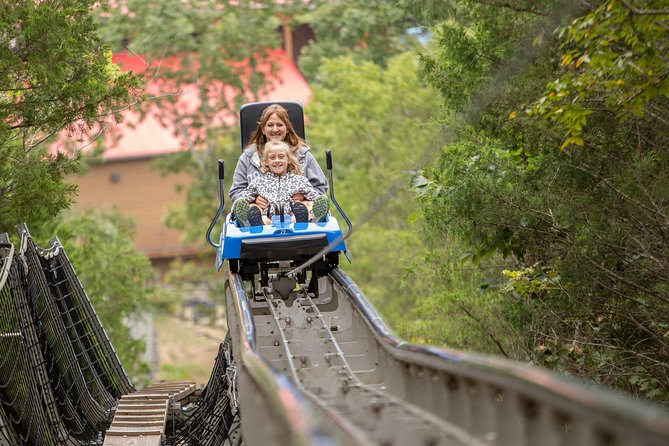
(156, 133)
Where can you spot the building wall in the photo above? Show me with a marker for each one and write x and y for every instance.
(137, 190)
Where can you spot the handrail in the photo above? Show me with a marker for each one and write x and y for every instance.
(556, 402)
(221, 191)
(328, 161)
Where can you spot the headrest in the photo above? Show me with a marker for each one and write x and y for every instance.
(249, 115)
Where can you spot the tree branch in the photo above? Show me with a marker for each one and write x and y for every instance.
(621, 193)
(636, 11)
(487, 332)
(624, 280)
(508, 5)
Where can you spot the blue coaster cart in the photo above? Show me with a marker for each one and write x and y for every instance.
(292, 248)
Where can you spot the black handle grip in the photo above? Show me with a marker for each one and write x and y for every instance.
(221, 173)
(328, 159)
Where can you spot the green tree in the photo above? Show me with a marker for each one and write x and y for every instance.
(372, 118)
(55, 76)
(580, 230)
(58, 80)
(615, 60)
(188, 44)
(371, 31)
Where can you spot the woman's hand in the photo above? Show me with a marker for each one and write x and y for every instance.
(298, 196)
(261, 202)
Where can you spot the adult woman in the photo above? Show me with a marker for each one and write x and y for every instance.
(274, 125)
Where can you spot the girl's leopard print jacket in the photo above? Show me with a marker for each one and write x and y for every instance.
(278, 190)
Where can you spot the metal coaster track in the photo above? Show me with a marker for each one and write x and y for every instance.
(317, 362)
(329, 367)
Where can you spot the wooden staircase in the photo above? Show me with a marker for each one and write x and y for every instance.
(140, 417)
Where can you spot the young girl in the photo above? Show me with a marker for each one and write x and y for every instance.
(281, 180)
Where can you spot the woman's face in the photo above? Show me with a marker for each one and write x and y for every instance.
(274, 129)
(277, 161)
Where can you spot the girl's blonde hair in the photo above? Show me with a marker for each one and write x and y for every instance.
(293, 163)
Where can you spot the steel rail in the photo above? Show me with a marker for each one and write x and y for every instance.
(287, 415)
(323, 372)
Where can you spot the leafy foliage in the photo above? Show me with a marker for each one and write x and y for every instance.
(615, 59)
(32, 187)
(457, 304)
(55, 71)
(372, 120)
(215, 51)
(370, 31)
(58, 79)
(580, 232)
(55, 76)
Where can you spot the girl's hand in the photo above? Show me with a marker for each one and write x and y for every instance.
(261, 202)
(298, 196)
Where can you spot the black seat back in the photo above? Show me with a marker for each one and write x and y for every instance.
(249, 116)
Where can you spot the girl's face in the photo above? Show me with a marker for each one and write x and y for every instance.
(277, 161)
(274, 129)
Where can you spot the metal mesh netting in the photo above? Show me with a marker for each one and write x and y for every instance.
(59, 375)
(212, 419)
